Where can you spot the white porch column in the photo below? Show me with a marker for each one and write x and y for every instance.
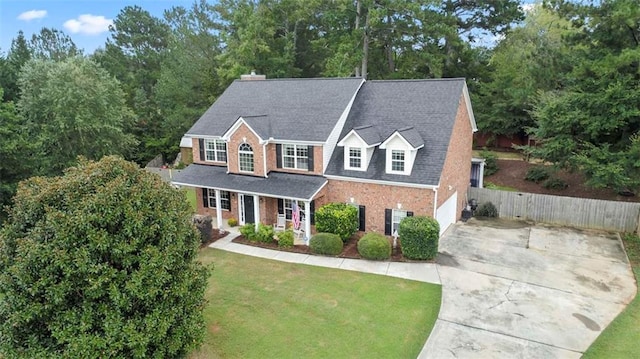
(218, 210)
(307, 220)
(256, 209)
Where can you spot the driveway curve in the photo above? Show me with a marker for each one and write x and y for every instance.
(518, 290)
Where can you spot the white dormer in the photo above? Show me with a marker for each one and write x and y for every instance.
(359, 145)
(401, 149)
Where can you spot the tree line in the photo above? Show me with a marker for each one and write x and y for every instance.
(564, 71)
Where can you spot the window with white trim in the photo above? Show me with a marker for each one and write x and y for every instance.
(397, 216)
(397, 160)
(215, 151)
(245, 158)
(295, 156)
(225, 199)
(355, 157)
(288, 209)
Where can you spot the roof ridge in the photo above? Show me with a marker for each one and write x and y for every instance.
(421, 80)
(299, 79)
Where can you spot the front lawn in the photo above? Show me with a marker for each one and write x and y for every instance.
(621, 339)
(261, 308)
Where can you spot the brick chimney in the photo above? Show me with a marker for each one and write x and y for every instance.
(253, 77)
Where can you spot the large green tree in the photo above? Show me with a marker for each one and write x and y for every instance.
(100, 263)
(53, 44)
(71, 108)
(19, 53)
(592, 124)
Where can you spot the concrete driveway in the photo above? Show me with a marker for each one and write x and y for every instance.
(517, 290)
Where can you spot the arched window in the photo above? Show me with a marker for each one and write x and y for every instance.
(245, 158)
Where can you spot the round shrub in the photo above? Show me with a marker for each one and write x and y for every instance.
(537, 174)
(337, 218)
(374, 246)
(487, 209)
(265, 233)
(555, 183)
(249, 232)
(326, 243)
(232, 222)
(419, 237)
(285, 239)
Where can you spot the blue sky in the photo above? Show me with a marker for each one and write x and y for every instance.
(86, 22)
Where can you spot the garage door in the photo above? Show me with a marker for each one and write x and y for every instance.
(447, 213)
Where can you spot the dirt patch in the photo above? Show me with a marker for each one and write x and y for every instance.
(511, 173)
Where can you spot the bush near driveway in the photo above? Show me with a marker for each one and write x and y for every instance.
(419, 237)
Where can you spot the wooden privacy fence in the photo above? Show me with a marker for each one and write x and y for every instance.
(578, 212)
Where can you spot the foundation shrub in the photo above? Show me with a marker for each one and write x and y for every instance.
(337, 218)
(419, 237)
(328, 244)
(285, 238)
(374, 246)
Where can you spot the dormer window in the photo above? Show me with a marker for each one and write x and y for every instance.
(355, 157)
(397, 161)
(215, 151)
(245, 157)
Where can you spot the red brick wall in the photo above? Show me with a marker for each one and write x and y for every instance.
(457, 167)
(272, 164)
(377, 197)
(233, 213)
(232, 150)
(195, 151)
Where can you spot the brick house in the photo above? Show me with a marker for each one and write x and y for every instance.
(391, 148)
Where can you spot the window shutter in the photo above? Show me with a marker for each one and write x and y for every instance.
(361, 214)
(205, 197)
(280, 206)
(409, 214)
(310, 154)
(201, 147)
(278, 155)
(387, 221)
(312, 209)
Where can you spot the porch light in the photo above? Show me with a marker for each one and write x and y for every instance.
(399, 205)
(352, 200)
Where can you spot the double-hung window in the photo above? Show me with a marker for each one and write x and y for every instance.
(215, 150)
(397, 216)
(397, 160)
(225, 199)
(288, 209)
(295, 156)
(355, 157)
(245, 157)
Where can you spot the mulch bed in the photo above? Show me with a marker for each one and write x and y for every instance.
(511, 173)
(215, 235)
(350, 249)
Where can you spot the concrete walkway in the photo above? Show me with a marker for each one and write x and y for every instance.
(422, 272)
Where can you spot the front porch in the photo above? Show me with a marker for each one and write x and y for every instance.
(252, 199)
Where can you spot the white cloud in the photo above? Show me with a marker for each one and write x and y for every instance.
(32, 15)
(88, 24)
(526, 8)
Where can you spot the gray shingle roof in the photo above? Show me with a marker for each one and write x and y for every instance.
(369, 134)
(429, 106)
(291, 109)
(412, 135)
(278, 184)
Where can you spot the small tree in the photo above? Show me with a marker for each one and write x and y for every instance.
(337, 218)
(100, 263)
(419, 237)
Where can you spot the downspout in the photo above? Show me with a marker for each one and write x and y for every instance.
(264, 158)
(435, 202)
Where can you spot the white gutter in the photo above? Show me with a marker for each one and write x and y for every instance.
(386, 183)
(435, 202)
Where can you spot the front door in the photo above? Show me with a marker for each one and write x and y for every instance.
(246, 209)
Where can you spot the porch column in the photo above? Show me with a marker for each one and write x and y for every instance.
(218, 209)
(307, 220)
(256, 210)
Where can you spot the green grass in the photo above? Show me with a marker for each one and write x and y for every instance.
(491, 185)
(260, 308)
(621, 339)
(191, 197)
(502, 155)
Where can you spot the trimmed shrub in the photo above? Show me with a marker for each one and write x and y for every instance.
(490, 162)
(249, 231)
(232, 222)
(419, 237)
(285, 239)
(328, 244)
(265, 233)
(203, 224)
(374, 246)
(537, 174)
(487, 209)
(337, 218)
(555, 183)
